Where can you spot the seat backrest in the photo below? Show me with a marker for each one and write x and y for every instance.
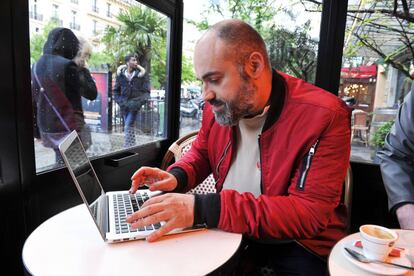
(178, 148)
(176, 151)
(347, 196)
(360, 119)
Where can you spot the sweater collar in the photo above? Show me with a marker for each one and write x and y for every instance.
(276, 100)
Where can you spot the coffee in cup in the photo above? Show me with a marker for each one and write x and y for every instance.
(377, 241)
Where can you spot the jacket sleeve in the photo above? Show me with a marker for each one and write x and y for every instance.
(141, 71)
(87, 84)
(397, 157)
(301, 213)
(72, 85)
(117, 91)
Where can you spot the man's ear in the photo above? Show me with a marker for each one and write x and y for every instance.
(255, 65)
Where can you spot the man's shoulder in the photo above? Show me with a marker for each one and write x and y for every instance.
(305, 93)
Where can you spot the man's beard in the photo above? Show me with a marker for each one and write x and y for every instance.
(242, 106)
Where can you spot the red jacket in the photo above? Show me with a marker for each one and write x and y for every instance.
(300, 190)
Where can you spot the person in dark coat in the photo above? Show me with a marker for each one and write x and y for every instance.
(56, 91)
(131, 91)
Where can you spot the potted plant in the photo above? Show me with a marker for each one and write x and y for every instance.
(378, 137)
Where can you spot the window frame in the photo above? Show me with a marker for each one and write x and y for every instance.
(57, 183)
(23, 193)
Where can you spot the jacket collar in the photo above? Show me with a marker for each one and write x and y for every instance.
(125, 73)
(276, 100)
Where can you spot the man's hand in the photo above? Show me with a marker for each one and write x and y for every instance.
(156, 180)
(405, 216)
(177, 210)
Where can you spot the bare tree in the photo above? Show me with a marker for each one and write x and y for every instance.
(383, 28)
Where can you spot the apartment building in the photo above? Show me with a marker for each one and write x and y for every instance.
(88, 18)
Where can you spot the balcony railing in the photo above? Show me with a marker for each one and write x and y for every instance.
(95, 9)
(109, 14)
(74, 26)
(57, 20)
(74, 1)
(36, 16)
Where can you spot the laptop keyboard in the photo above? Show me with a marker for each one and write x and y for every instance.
(125, 205)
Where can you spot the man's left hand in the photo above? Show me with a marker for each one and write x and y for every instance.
(177, 210)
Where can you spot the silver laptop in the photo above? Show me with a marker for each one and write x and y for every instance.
(108, 210)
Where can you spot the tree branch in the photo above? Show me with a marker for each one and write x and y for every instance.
(311, 1)
(409, 17)
(396, 65)
(380, 26)
(407, 40)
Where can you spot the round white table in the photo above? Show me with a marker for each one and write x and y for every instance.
(339, 265)
(70, 244)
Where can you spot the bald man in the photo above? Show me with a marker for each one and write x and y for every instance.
(278, 148)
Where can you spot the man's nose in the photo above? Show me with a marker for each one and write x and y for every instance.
(207, 94)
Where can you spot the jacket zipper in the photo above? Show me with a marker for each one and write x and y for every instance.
(221, 160)
(306, 166)
(260, 162)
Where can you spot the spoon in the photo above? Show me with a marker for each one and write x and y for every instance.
(363, 259)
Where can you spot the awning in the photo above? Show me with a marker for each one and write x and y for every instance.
(360, 72)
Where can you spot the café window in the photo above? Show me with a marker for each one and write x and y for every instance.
(290, 30)
(115, 94)
(376, 71)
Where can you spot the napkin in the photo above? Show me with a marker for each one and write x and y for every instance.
(395, 252)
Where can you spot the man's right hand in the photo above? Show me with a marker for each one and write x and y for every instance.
(155, 179)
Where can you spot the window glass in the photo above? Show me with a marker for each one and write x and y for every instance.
(95, 71)
(377, 70)
(290, 29)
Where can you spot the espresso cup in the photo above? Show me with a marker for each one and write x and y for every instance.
(377, 241)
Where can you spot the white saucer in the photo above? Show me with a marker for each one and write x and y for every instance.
(381, 269)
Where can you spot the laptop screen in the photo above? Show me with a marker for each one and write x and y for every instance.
(82, 170)
(85, 179)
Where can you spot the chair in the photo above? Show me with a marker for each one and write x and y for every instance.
(359, 126)
(176, 151)
(346, 197)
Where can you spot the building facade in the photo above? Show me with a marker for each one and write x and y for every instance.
(87, 18)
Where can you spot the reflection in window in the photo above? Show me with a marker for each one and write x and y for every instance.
(290, 29)
(376, 71)
(74, 82)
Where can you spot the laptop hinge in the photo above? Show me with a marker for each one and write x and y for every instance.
(105, 217)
